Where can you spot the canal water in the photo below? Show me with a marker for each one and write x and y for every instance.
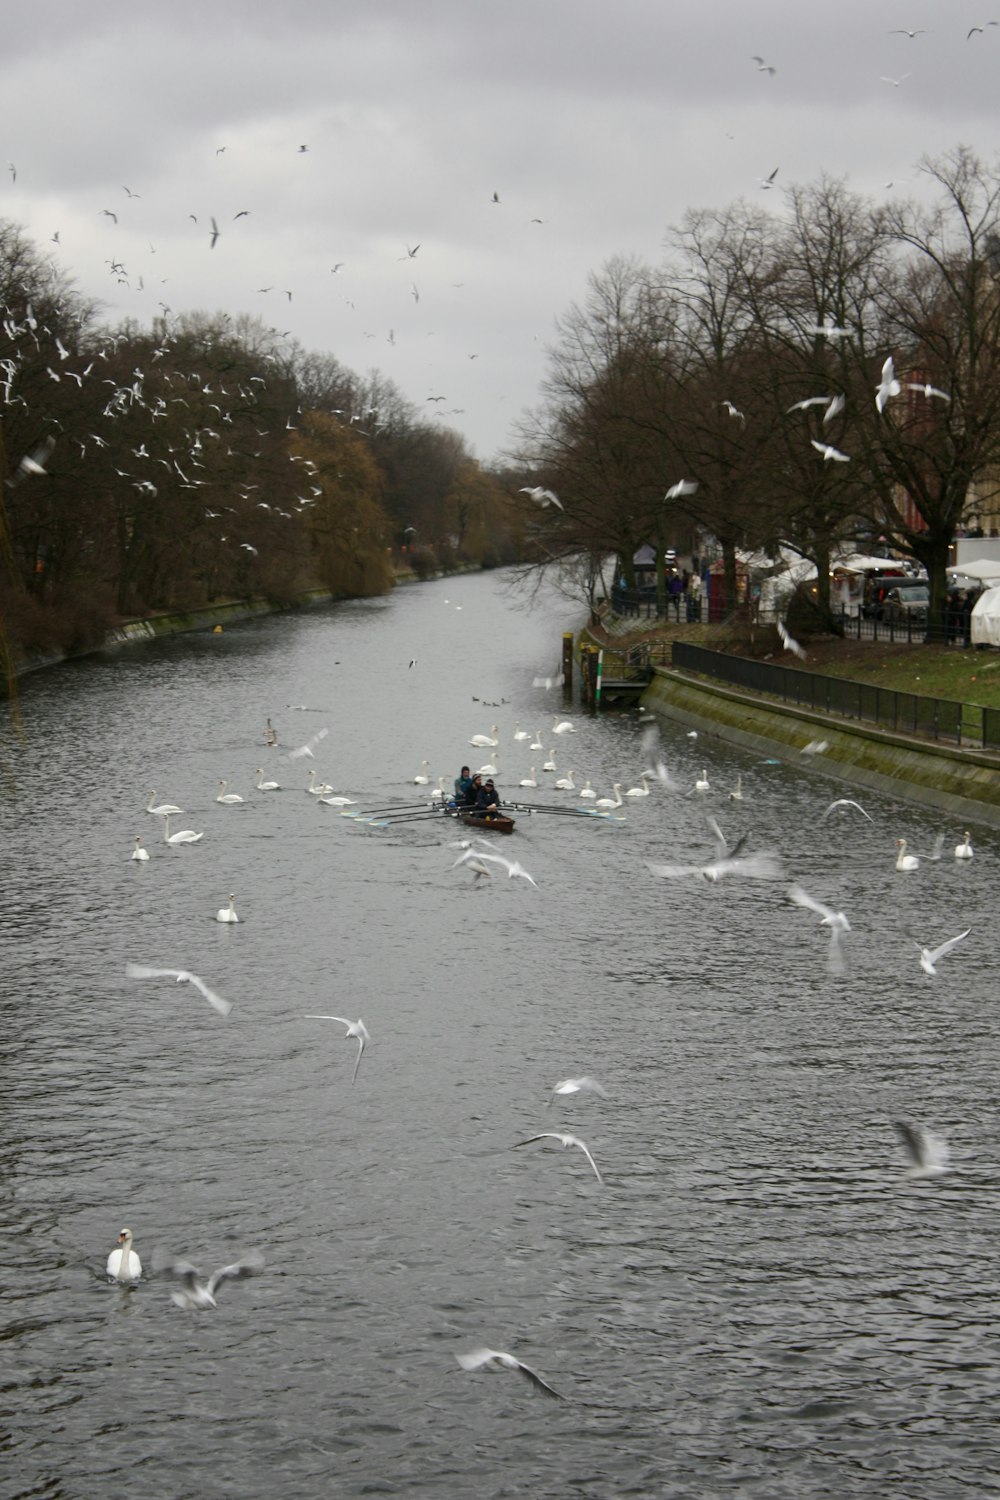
(756, 1301)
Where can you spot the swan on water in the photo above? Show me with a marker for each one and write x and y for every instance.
(530, 780)
(550, 764)
(702, 784)
(338, 801)
(962, 850)
(228, 797)
(422, 778)
(485, 741)
(562, 726)
(266, 786)
(905, 861)
(194, 1295)
(736, 795)
(227, 913)
(124, 1264)
(164, 810)
(642, 791)
(536, 743)
(587, 791)
(139, 852)
(489, 769)
(184, 836)
(354, 1028)
(611, 802)
(520, 734)
(565, 783)
(322, 790)
(437, 792)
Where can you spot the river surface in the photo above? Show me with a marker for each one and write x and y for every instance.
(758, 1301)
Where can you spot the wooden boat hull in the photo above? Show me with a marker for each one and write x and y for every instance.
(497, 824)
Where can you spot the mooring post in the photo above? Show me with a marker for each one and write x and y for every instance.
(567, 661)
(600, 674)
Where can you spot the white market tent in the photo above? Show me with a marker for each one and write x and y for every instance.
(985, 622)
(985, 569)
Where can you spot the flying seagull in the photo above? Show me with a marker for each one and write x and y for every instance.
(928, 391)
(309, 746)
(473, 857)
(835, 920)
(682, 487)
(540, 495)
(789, 642)
(846, 802)
(586, 1085)
(928, 1153)
(564, 1140)
(477, 1359)
(768, 182)
(828, 330)
(194, 1295)
(888, 385)
(354, 1028)
(215, 234)
(930, 957)
(829, 452)
(181, 976)
(763, 67)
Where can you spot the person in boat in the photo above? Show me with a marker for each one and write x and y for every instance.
(472, 791)
(487, 800)
(462, 784)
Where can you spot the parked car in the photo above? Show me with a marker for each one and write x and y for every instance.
(910, 602)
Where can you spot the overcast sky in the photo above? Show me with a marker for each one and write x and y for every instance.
(603, 121)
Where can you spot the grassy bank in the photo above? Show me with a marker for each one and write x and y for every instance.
(963, 675)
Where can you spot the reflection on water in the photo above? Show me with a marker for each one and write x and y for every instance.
(757, 1302)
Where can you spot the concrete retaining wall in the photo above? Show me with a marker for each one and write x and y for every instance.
(963, 782)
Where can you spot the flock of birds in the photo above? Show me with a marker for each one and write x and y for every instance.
(926, 1153)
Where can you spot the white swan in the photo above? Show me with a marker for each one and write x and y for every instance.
(550, 764)
(489, 769)
(611, 802)
(520, 734)
(536, 743)
(588, 792)
(185, 836)
(318, 791)
(124, 1264)
(962, 850)
(165, 808)
(701, 785)
(641, 791)
(565, 783)
(437, 792)
(227, 913)
(736, 795)
(562, 726)
(905, 861)
(266, 786)
(422, 778)
(140, 853)
(228, 797)
(485, 741)
(529, 780)
(338, 801)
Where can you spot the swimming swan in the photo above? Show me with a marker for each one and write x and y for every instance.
(266, 786)
(185, 836)
(611, 802)
(962, 850)
(165, 808)
(140, 853)
(227, 913)
(124, 1264)
(905, 861)
(228, 797)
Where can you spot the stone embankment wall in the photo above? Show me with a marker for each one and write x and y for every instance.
(965, 782)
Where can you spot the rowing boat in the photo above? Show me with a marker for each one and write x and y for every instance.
(495, 823)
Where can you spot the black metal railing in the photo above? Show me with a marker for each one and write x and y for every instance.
(906, 713)
(881, 625)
